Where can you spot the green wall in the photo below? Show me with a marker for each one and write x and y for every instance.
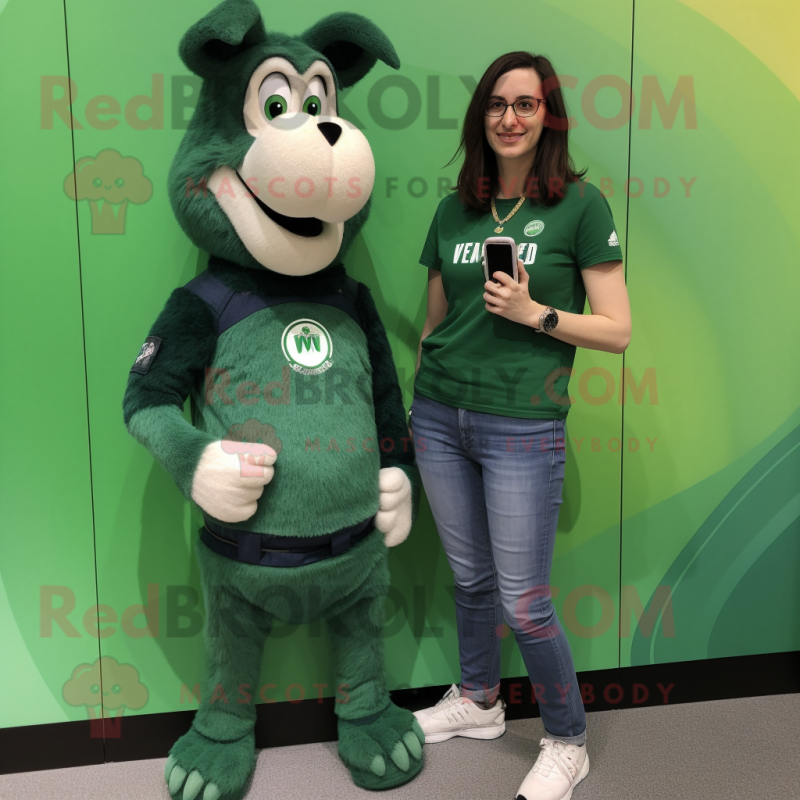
(682, 493)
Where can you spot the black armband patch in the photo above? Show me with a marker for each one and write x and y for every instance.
(146, 355)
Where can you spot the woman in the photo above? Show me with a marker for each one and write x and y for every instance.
(490, 398)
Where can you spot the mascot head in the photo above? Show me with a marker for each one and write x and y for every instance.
(268, 175)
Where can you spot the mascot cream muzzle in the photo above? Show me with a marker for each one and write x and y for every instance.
(306, 173)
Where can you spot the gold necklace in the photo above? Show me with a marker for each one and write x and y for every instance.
(501, 222)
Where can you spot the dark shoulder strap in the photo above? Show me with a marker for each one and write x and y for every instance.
(212, 290)
(231, 307)
(350, 289)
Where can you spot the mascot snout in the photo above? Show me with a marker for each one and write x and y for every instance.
(303, 166)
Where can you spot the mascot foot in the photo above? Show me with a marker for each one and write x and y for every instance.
(199, 768)
(383, 750)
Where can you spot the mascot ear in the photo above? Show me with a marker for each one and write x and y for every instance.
(227, 30)
(352, 44)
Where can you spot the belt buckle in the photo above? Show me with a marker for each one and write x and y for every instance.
(249, 547)
(340, 543)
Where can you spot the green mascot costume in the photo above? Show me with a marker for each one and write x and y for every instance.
(298, 454)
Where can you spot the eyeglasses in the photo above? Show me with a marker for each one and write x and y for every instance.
(527, 107)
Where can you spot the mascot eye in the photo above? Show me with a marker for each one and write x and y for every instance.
(315, 98)
(275, 106)
(94, 689)
(119, 183)
(97, 183)
(274, 96)
(313, 106)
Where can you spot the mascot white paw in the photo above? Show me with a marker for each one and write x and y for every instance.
(227, 483)
(393, 519)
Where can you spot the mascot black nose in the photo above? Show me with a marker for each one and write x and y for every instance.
(331, 131)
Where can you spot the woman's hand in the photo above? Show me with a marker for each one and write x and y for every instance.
(511, 299)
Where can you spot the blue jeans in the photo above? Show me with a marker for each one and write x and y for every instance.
(494, 486)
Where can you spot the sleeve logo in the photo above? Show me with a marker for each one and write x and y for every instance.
(612, 240)
(147, 354)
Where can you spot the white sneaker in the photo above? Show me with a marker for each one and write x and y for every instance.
(557, 771)
(455, 715)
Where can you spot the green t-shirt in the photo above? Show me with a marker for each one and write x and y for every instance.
(483, 362)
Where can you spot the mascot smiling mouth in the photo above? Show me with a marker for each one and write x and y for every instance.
(300, 226)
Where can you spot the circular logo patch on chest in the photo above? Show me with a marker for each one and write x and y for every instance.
(534, 228)
(307, 346)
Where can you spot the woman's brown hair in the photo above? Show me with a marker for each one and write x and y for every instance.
(552, 168)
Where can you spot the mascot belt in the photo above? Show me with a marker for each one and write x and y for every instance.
(281, 551)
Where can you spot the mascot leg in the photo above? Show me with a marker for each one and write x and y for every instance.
(379, 743)
(215, 759)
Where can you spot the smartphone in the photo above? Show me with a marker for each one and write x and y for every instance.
(500, 255)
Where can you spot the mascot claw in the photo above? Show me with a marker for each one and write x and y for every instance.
(384, 753)
(201, 769)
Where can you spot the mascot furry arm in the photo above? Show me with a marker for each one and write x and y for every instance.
(298, 454)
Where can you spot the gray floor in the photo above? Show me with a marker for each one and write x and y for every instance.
(726, 749)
